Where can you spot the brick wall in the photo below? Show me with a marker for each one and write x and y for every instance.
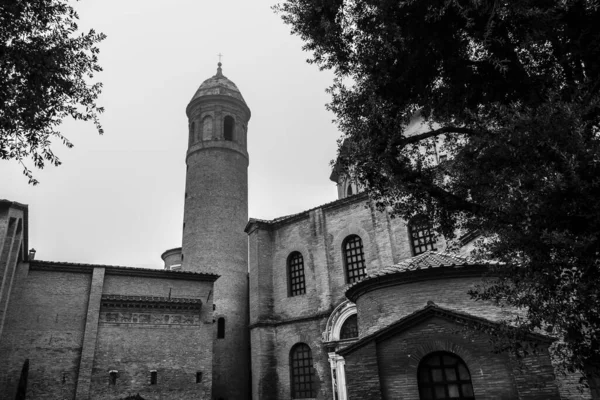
(386, 305)
(362, 374)
(45, 324)
(56, 321)
(318, 235)
(494, 376)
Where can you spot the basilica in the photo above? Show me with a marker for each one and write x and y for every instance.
(338, 302)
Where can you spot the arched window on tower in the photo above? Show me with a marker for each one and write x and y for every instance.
(228, 127)
(349, 190)
(422, 237)
(221, 328)
(443, 375)
(354, 258)
(295, 267)
(192, 131)
(302, 373)
(349, 329)
(207, 128)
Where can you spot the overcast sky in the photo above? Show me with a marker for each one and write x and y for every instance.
(118, 198)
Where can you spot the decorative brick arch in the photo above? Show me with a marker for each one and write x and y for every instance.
(369, 247)
(280, 261)
(473, 362)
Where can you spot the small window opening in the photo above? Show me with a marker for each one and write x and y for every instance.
(112, 377)
(153, 377)
(64, 378)
(207, 127)
(221, 328)
(349, 191)
(228, 124)
(198, 376)
(192, 132)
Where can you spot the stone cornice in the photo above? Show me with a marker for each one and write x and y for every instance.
(272, 323)
(112, 301)
(53, 266)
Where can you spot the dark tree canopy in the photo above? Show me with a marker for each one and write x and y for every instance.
(44, 67)
(509, 91)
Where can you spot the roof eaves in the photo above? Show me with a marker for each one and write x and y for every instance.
(55, 266)
(270, 224)
(430, 310)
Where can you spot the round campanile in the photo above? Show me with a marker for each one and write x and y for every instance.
(215, 214)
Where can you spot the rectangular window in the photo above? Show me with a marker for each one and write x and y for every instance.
(297, 285)
(198, 376)
(153, 377)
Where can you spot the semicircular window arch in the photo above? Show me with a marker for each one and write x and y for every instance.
(443, 375)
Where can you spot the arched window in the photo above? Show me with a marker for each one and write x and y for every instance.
(421, 233)
(296, 281)
(349, 329)
(354, 258)
(228, 125)
(221, 328)
(192, 131)
(207, 128)
(349, 191)
(443, 375)
(301, 372)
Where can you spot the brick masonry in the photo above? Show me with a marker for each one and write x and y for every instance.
(56, 320)
(494, 376)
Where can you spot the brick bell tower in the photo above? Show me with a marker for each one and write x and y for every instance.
(215, 214)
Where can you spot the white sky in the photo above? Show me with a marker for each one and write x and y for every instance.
(118, 198)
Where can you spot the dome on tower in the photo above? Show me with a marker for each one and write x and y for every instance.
(218, 85)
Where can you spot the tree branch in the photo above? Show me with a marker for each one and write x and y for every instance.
(403, 141)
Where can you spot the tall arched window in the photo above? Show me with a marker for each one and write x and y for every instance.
(295, 266)
(207, 128)
(192, 133)
(228, 125)
(349, 191)
(302, 374)
(221, 328)
(354, 258)
(443, 375)
(422, 237)
(349, 329)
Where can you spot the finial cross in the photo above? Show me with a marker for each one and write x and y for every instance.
(220, 55)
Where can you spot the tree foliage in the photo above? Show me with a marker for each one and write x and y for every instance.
(509, 91)
(44, 67)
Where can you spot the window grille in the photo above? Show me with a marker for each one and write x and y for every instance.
(349, 329)
(302, 372)
(422, 236)
(297, 284)
(443, 375)
(354, 259)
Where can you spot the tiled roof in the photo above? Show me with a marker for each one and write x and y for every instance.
(427, 260)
